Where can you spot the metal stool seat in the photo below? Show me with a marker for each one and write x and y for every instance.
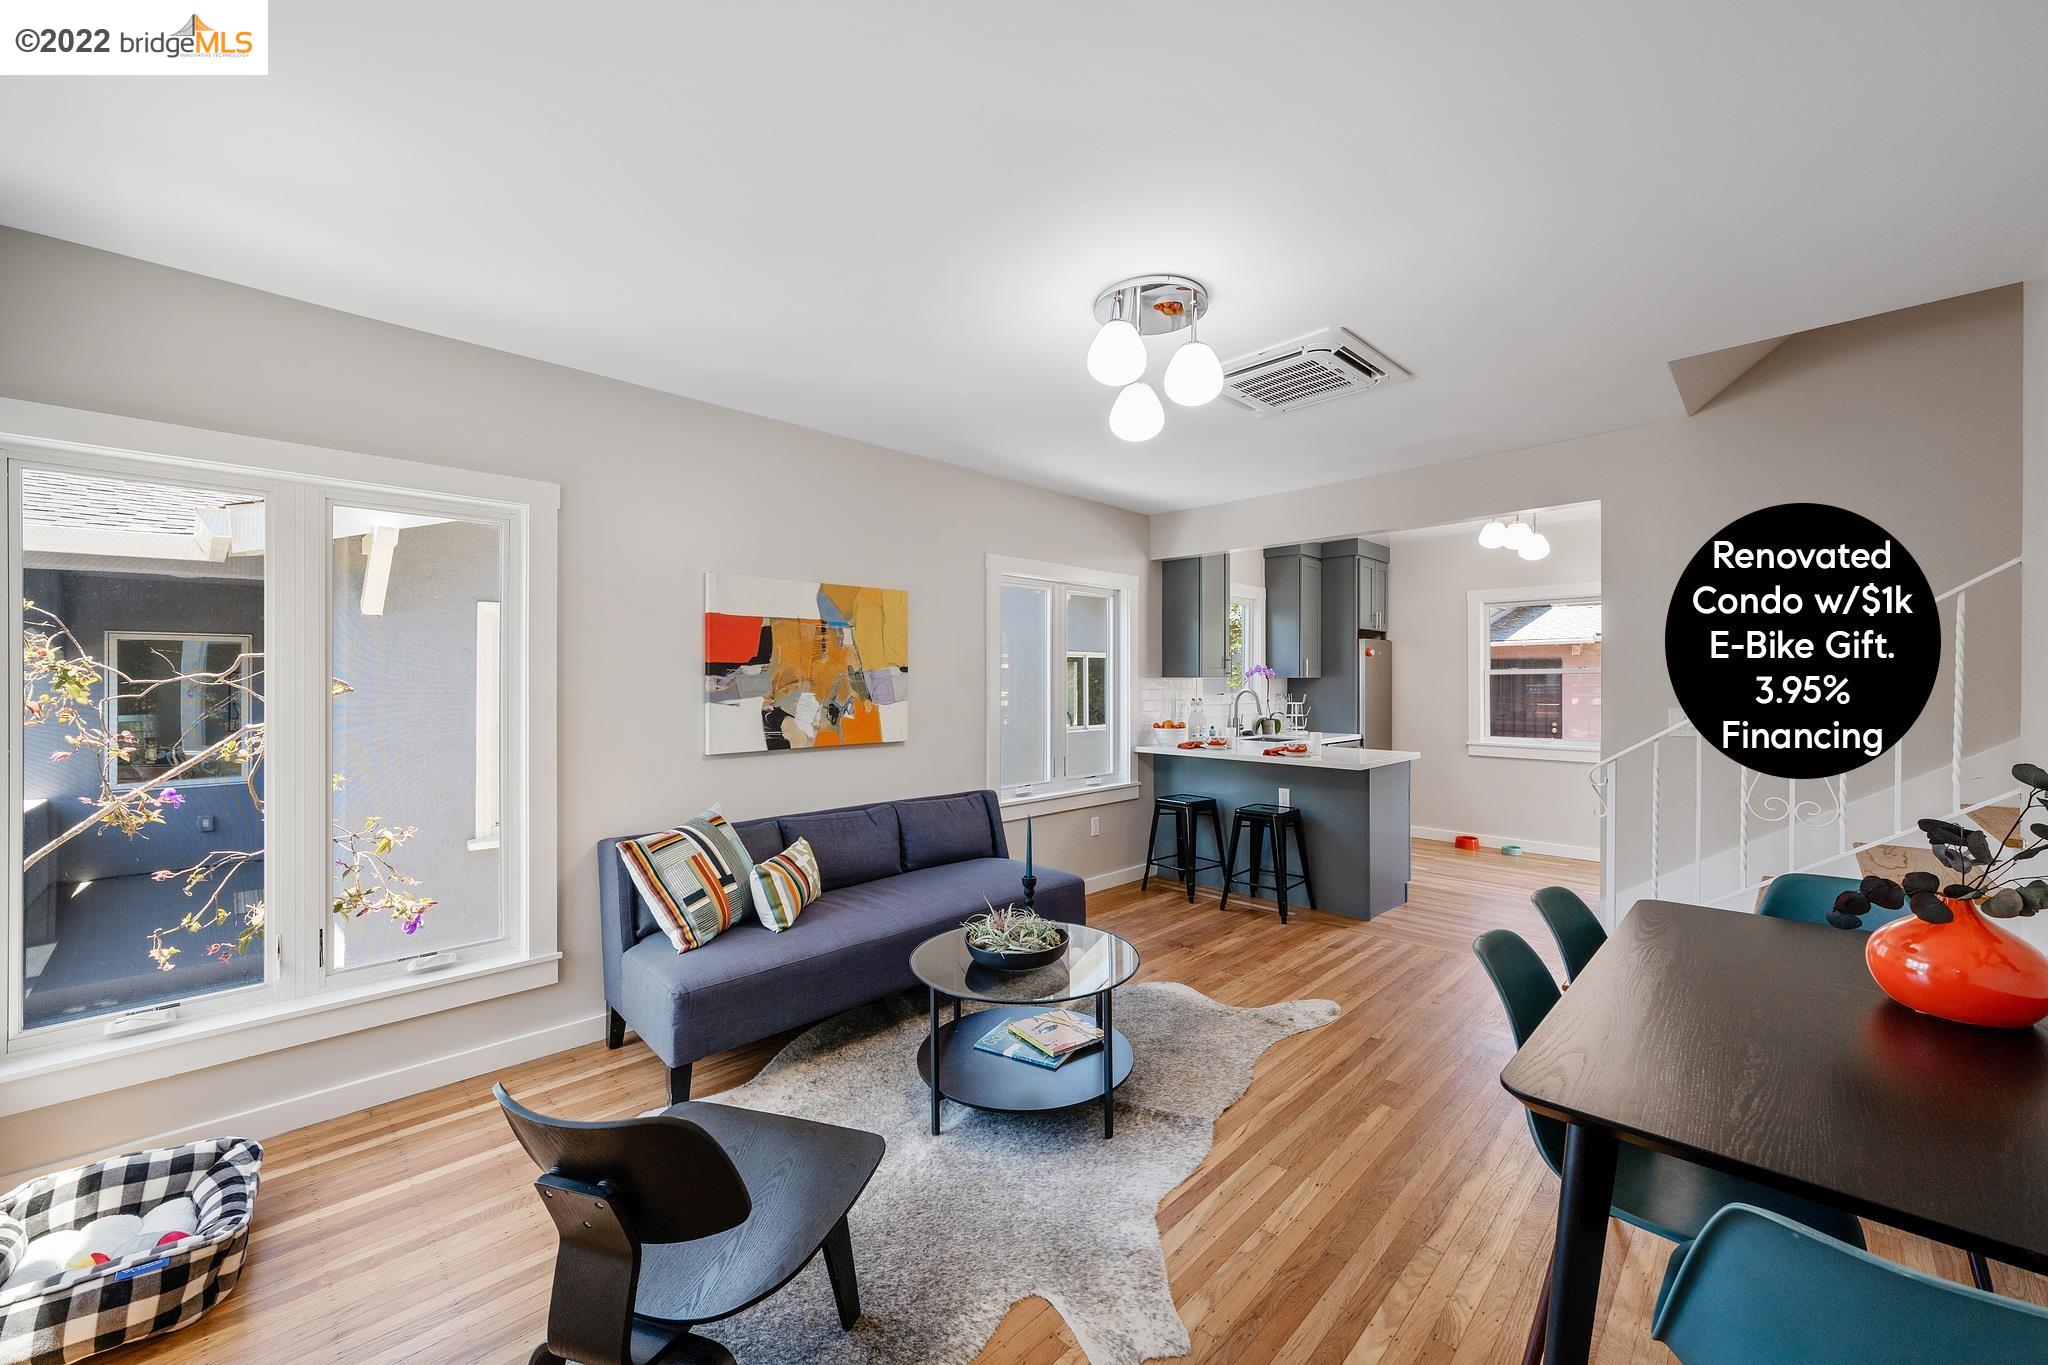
(1262, 820)
(1186, 810)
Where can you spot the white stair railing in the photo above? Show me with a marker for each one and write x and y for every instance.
(1789, 814)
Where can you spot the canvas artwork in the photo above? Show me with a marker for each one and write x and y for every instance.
(790, 664)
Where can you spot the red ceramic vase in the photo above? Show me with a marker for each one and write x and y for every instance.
(1969, 970)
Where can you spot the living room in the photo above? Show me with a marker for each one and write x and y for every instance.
(447, 489)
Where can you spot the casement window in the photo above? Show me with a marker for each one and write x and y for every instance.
(271, 730)
(1535, 690)
(1245, 632)
(1060, 686)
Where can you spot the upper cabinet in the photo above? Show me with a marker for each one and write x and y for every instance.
(1194, 617)
(1372, 595)
(1294, 610)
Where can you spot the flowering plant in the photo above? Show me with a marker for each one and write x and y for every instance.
(59, 679)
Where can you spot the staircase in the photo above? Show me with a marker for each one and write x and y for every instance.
(1696, 825)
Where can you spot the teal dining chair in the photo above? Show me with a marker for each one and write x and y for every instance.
(1573, 924)
(1666, 1195)
(1757, 1286)
(1809, 896)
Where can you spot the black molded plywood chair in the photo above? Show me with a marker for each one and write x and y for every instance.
(683, 1218)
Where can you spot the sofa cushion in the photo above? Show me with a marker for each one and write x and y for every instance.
(851, 846)
(762, 838)
(851, 946)
(784, 885)
(945, 829)
(695, 880)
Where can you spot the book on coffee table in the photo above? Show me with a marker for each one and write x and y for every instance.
(1057, 1033)
(1004, 1043)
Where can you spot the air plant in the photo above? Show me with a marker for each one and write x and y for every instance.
(1985, 875)
(1013, 929)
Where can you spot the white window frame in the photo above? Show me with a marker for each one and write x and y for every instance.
(297, 1003)
(1254, 602)
(1060, 792)
(1479, 743)
(490, 721)
(110, 703)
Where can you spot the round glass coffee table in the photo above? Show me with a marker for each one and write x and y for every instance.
(1093, 966)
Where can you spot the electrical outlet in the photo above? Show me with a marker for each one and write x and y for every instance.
(1286, 797)
(1094, 825)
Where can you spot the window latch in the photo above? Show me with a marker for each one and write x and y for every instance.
(430, 962)
(141, 1021)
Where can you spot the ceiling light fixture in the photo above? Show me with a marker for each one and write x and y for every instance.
(1532, 545)
(1136, 414)
(1494, 534)
(1139, 307)
(1517, 532)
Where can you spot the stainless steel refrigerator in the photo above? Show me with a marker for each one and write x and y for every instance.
(1376, 693)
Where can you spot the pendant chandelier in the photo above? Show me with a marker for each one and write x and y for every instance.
(1131, 310)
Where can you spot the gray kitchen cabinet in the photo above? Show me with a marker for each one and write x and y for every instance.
(1372, 595)
(1294, 610)
(1194, 617)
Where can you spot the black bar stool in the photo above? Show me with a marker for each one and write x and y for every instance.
(1185, 863)
(1263, 820)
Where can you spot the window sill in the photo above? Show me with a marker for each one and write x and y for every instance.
(1546, 750)
(1051, 803)
(483, 845)
(35, 1079)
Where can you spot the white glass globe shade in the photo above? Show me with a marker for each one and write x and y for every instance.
(1194, 375)
(1136, 414)
(1535, 546)
(1494, 534)
(1117, 355)
(1517, 531)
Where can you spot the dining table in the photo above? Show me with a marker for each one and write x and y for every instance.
(1761, 1047)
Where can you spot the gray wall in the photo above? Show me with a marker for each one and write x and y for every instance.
(656, 490)
(405, 738)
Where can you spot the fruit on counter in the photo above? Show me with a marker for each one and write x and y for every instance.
(1287, 751)
(1219, 743)
(1189, 744)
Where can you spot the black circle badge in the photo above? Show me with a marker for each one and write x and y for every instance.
(1802, 640)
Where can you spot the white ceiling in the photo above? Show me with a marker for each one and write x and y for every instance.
(890, 220)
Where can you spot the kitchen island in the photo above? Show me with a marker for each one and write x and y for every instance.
(1353, 804)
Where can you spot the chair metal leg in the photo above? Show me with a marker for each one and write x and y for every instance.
(1980, 1273)
(679, 1083)
(839, 1266)
(1216, 826)
(1532, 1353)
(1308, 887)
(1186, 826)
(934, 1045)
(1280, 869)
(1251, 871)
(1151, 847)
(614, 1030)
(1229, 866)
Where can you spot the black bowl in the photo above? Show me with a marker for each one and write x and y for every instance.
(1016, 962)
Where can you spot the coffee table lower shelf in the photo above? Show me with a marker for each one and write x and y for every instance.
(984, 1080)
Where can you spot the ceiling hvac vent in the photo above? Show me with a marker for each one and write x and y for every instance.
(1308, 370)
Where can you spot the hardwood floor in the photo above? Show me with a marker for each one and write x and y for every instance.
(1374, 1197)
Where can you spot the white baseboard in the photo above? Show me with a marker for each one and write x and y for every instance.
(1123, 876)
(1579, 851)
(316, 1106)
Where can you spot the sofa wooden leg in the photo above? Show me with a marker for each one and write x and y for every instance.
(679, 1083)
(614, 1030)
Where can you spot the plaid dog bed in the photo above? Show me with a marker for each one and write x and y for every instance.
(84, 1312)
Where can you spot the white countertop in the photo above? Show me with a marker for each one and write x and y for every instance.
(1349, 759)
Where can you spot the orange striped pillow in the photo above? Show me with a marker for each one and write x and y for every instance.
(785, 884)
(695, 879)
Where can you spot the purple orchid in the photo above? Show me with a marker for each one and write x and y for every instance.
(171, 797)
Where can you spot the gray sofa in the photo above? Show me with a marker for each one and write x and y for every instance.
(894, 874)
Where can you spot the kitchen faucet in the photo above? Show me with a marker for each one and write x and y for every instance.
(1256, 717)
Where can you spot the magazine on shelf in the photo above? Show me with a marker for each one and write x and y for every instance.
(1057, 1033)
(1004, 1043)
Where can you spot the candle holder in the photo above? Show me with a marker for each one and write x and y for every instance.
(1030, 880)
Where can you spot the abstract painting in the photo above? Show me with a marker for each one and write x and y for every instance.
(790, 664)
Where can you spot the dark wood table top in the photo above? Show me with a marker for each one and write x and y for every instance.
(1762, 1047)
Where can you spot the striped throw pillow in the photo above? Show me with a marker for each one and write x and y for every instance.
(785, 884)
(696, 879)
